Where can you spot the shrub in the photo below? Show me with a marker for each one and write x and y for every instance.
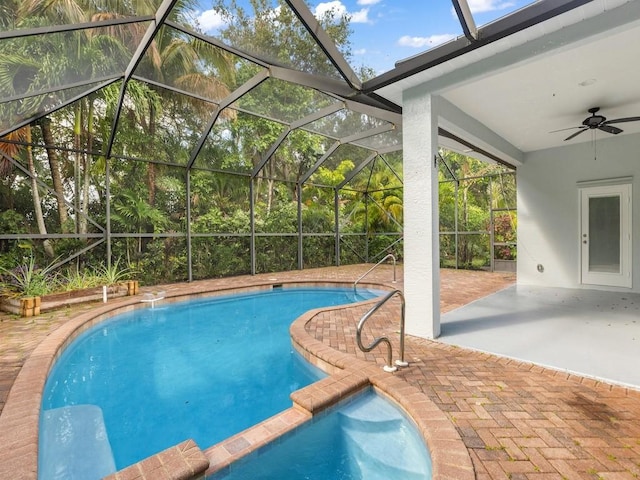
(27, 280)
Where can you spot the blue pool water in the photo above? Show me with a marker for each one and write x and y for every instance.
(366, 439)
(144, 381)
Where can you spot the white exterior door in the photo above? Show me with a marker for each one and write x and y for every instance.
(605, 237)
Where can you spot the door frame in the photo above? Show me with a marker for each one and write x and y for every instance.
(607, 188)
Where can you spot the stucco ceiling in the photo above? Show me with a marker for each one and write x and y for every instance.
(525, 103)
(545, 78)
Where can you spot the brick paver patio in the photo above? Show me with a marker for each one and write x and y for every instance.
(517, 420)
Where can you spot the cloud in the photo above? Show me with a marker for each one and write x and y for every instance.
(337, 6)
(360, 51)
(478, 6)
(211, 20)
(361, 16)
(339, 10)
(422, 42)
(368, 2)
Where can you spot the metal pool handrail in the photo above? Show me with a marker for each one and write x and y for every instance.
(389, 367)
(355, 284)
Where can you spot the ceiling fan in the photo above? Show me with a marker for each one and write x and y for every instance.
(599, 122)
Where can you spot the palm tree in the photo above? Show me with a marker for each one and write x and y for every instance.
(56, 175)
(11, 150)
(382, 193)
(176, 59)
(134, 213)
(190, 64)
(14, 66)
(92, 53)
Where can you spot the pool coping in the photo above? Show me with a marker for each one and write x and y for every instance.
(20, 417)
(450, 458)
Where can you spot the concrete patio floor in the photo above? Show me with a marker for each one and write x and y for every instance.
(517, 420)
(590, 333)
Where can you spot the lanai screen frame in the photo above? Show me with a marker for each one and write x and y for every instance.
(350, 93)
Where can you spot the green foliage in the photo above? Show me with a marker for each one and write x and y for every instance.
(73, 279)
(27, 280)
(163, 127)
(277, 34)
(319, 252)
(112, 274)
(11, 222)
(473, 190)
(164, 261)
(505, 232)
(220, 257)
(275, 254)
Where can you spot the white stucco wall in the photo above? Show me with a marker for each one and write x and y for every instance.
(420, 200)
(548, 206)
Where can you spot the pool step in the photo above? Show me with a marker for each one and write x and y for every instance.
(74, 444)
(379, 440)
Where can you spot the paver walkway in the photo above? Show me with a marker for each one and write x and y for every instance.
(517, 420)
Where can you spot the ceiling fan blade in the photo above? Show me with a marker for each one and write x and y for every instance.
(610, 129)
(621, 120)
(565, 129)
(582, 129)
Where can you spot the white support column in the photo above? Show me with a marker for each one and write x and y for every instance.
(421, 242)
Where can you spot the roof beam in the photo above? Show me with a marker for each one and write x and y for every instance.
(325, 42)
(446, 134)
(390, 149)
(323, 84)
(263, 62)
(46, 187)
(30, 32)
(320, 161)
(455, 121)
(392, 117)
(297, 124)
(59, 88)
(323, 112)
(466, 19)
(59, 107)
(367, 133)
(533, 14)
(267, 155)
(332, 86)
(357, 170)
(173, 89)
(252, 83)
(161, 15)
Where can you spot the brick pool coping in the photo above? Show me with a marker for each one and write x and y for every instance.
(20, 415)
(347, 376)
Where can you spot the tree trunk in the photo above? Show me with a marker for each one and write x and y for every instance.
(86, 169)
(151, 167)
(77, 122)
(56, 176)
(42, 228)
(271, 184)
(270, 188)
(151, 183)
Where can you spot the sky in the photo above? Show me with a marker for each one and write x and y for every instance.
(385, 31)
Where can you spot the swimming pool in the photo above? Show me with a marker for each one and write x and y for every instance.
(143, 381)
(364, 438)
